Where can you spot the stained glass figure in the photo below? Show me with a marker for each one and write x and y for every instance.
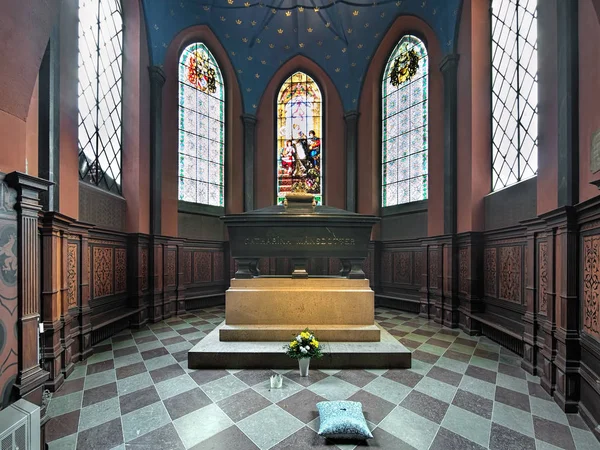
(201, 127)
(99, 100)
(299, 137)
(404, 129)
(514, 91)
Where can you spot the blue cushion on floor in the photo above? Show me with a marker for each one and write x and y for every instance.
(343, 420)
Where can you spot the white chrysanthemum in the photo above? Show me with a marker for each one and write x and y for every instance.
(299, 339)
(303, 350)
(307, 347)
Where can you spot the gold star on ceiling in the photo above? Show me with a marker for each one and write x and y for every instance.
(263, 62)
(359, 46)
(434, 11)
(226, 35)
(398, 3)
(353, 64)
(344, 50)
(222, 18)
(355, 12)
(254, 105)
(300, 9)
(232, 53)
(287, 47)
(240, 71)
(382, 15)
(253, 23)
(301, 44)
(337, 69)
(288, 13)
(316, 9)
(239, 21)
(328, 24)
(319, 43)
(247, 4)
(172, 12)
(335, 38)
(249, 58)
(349, 30)
(248, 89)
(280, 30)
(353, 100)
(156, 27)
(310, 30)
(256, 75)
(367, 25)
(230, 2)
(258, 41)
(271, 45)
(274, 11)
(347, 86)
(327, 56)
(244, 39)
(206, 8)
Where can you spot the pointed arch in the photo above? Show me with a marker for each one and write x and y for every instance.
(299, 122)
(201, 127)
(404, 129)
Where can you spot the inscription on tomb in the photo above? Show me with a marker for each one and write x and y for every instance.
(300, 240)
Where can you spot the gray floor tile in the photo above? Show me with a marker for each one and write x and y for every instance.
(144, 420)
(201, 425)
(547, 410)
(484, 363)
(223, 387)
(452, 364)
(159, 362)
(467, 424)
(99, 413)
(410, 427)
(99, 357)
(175, 386)
(127, 360)
(65, 443)
(332, 388)
(436, 389)
(99, 379)
(134, 383)
(513, 418)
(387, 389)
(150, 345)
(65, 404)
(479, 387)
(276, 395)
(269, 426)
(584, 439)
(515, 384)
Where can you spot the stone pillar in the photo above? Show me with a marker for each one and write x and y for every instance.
(49, 121)
(568, 102)
(351, 131)
(157, 81)
(31, 377)
(249, 121)
(449, 69)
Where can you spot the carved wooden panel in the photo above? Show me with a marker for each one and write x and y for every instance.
(219, 266)
(510, 274)
(542, 277)
(434, 269)
(386, 267)
(418, 266)
(463, 270)
(263, 266)
(402, 267)
(591, 285)
(103, 271)
(490, 272)
(187, 267)
(72, 281)
(171, 267)
(144, 267)
(368, 266)
(202, 267)
(120, 270)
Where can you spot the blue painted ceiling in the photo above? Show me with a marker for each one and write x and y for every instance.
(259, 37)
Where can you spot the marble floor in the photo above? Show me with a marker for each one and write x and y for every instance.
(462, 392)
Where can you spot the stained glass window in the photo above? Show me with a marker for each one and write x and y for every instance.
(100, 92)
(201, 127)
(514, 91)
(299, 137)
(404, 129)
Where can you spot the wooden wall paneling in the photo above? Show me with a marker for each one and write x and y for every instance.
(170, 278)
(450, 301)
(470, 280)
(137, 280)
(181, 278)
(52, 308)
(85, 311)
(436, 281)
(568, 352)
(535, 287)
(547, 339)
(31, 377)
(155, 311)
(425, 309)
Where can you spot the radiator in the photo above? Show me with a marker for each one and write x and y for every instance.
(20, 426)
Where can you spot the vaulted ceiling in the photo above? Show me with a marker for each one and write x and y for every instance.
(340, 36)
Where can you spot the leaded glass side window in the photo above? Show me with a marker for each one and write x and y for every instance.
(405, 129)
(299, 137)
(201, 127)
(100, 96)
(514, 91)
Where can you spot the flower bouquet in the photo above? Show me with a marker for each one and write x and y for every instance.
(302, 348)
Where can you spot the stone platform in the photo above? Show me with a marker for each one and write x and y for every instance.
(211, 353)
(276, 308)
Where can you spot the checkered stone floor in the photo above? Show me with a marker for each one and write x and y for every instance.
(462, 392)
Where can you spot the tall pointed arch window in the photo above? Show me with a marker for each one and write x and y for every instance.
(299, 137)
(514, 91)
(201, 127)
(405, 129)
(100, 66)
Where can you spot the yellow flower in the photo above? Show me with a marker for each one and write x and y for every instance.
(305, 335)
(293, 344)
(315, 343)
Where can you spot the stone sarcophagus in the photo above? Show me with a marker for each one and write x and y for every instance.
(263, 308)
(299, 230)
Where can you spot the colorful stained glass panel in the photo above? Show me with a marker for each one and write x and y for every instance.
(299, 137)
(201, 126)
(405, 128)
